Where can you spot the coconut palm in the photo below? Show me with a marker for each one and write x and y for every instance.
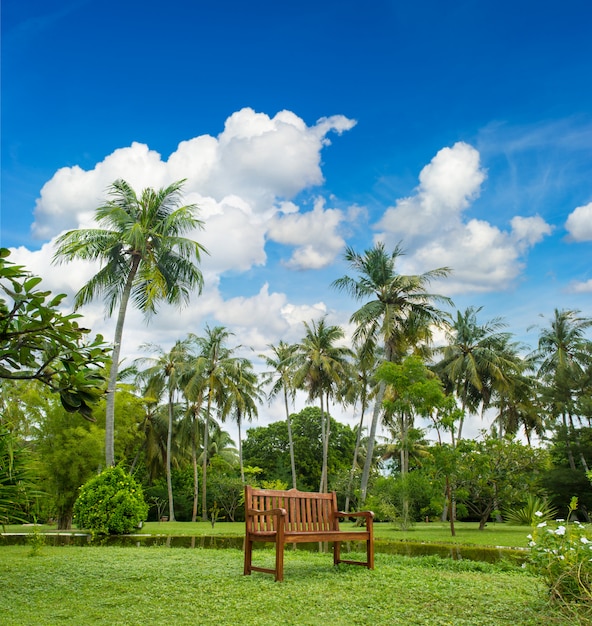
(564, 359)
(398, 314)
(144, 258)
(190, 432)
(361, 390)
(477, 359)
(517, 399)
(321, 368)
(280, 376)
(165, 373)
(243, 396)
(209, 383)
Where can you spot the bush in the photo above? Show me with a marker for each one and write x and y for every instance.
(110, 503)
(561, 553)
(535, 510)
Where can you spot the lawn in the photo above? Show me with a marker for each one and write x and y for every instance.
(160, 585)
(98, 585)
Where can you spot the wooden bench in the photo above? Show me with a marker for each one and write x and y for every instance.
(283, 517)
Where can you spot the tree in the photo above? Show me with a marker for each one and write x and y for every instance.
(564, 359)
(69, 451)
(145, 258)
(209, 381)
(266, 447)
(411, 389)
(474, 360)
(37, 342)
(322, 368)
(362, 389)
(282, 366)
(165, 374)
(241, 400)
(15, 477)
(399, 314)
(494, 474)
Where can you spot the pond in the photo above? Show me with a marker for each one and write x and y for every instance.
(405, 548)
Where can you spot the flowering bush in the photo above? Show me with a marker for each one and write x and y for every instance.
(561, 552)
(110, 503)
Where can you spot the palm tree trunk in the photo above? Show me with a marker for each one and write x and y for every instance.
(204, 464)
(194, 431)
(168, 460)
(326, 448)
(240, 448)
(371, 440)
(323, 440)
(355, 460)
(290, 440)
(111, 387)
(570, 456)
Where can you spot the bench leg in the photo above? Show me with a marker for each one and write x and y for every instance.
(370, 553)
(336, 552)
(279, 562)
(248, 556)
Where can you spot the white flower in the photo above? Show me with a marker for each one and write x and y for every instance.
(560, 531)
(532, 544)
(529, 536)
(539, 514)
(560, 519)
(584, 540)
(541, 525)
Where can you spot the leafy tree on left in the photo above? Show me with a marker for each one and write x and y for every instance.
(38, 342)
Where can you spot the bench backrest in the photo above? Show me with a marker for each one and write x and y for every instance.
(307, 512)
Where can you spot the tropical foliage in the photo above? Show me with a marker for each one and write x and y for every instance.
(39, 343)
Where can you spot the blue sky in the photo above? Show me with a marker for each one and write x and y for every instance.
(463, 130)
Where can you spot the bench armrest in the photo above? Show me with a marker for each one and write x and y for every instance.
(369, 515)
(253, 512)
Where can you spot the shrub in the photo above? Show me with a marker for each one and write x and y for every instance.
(561, 553)
(535, 510)
(110, 503)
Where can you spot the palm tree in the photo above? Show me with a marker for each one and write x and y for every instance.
(210, 382)
(398, 314)
(362, 389)
(242, 398)
(191, 426)
(517, 402)
(564, 356)
(165, 374)
(144, 257)
(477, 359)
(322, 368)
(281, 365)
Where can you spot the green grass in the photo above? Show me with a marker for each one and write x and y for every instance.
(97, 585)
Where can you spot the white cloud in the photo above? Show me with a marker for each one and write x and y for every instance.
(581, 287)
(579, 223)
(434, 232)
(260, 159)
(315, 235)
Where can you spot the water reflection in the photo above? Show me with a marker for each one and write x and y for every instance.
(405, 548)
